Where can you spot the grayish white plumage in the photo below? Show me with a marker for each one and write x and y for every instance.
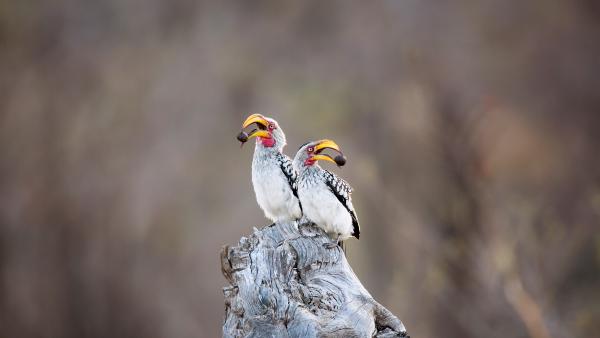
(273, 176)
(325, 198)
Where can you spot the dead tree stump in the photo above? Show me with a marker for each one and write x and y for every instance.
(285, 283)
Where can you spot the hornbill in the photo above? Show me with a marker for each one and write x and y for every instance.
(273, 176)
(325, 197)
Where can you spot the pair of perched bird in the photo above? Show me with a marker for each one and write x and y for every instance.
(288, 189)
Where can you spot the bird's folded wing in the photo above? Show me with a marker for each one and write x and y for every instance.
(342, 190)
(285, 163)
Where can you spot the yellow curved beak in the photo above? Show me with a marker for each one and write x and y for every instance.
(256, 118)
(327, 144)
(323, 157)
(324, 144)
(261, 133)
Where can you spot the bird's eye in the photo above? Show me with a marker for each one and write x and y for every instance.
(271, 126)
(311, 149)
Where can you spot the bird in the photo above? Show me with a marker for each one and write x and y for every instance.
(273, 175)
(326, 198)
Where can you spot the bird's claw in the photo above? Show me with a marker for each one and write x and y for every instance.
(330, 245)
(268, 226)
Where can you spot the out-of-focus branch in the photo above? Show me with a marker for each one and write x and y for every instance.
(526, 307)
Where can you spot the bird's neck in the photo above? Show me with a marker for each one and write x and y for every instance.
(309, 169)
(261, 151)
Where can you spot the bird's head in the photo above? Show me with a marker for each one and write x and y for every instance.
(266, 130)
(311, 152)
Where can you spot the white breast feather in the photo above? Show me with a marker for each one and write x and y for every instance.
(273, 192)
(322, 207)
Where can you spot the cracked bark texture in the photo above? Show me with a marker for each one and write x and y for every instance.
(285, 283)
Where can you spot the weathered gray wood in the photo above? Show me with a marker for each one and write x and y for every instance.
(285, 283)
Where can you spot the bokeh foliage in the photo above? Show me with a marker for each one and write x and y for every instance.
(471, 129)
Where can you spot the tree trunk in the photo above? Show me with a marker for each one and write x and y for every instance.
(286, 283)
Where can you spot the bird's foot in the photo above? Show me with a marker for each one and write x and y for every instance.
(268, 226)
(303, 221)
(330, 245)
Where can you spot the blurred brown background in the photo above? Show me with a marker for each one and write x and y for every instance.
(472, 130)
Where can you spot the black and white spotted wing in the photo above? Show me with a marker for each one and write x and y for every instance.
(343, 191)
(285, 163)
